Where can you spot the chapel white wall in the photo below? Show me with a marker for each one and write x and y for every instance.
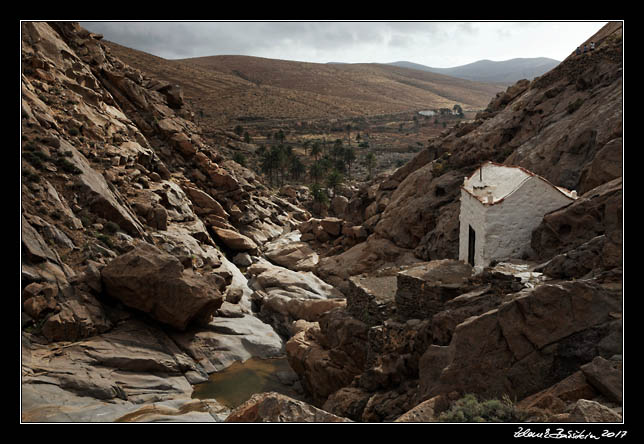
(509, 224)
(472, 213)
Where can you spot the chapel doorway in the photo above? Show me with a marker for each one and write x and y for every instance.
(471, 244)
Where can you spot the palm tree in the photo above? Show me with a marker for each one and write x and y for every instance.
(297, 168)
(334, 179)
(281, 160)
(371, 163)
(316, 171)
(280, 136)
(319, 195)
(316, 150)
(267, 164)
(338, 150)
(349, 158)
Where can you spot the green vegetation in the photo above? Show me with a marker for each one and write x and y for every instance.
(67, 166)
(316, 150)
(319, 195)
(334, 179)
(105, 240)
(36, 158)
(111, 227)
(240, 158)
(316, 171)
(370, 161)
(470, 409)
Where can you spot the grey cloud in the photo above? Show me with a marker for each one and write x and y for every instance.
(192, 39)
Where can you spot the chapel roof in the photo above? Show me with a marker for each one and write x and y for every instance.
(499, 181)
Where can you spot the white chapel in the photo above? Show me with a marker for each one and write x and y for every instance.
(500, 207)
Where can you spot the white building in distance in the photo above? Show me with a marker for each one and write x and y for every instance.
(500, 207)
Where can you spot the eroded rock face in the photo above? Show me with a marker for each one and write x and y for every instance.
(327, 355)
(274, 407)
(565, 126)
(598, 212)
(155, 282)
(525, 345)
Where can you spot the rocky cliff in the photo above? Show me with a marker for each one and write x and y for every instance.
(416, 335)
(130, 221)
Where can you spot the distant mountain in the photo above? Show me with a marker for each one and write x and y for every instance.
(227, 88)
(504, 72)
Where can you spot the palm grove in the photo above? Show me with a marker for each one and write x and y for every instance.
(324, 165)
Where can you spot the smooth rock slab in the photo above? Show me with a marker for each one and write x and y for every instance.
(226, 340)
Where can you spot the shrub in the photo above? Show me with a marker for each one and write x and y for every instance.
(30, 177)
(319, 194)
(67, 166)
(240, 159)
(470, 409)
(33, 159)
(112, 227)
(105, 240)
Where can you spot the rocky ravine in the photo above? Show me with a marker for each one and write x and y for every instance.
(150, 261)
(130, 225)
(415, 335)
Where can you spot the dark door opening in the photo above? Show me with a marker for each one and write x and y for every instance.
(471, 244)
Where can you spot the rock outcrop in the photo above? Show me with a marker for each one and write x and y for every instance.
(518, 350)
(274, 407)
(156, 283)
(130, 220)
(565, 126)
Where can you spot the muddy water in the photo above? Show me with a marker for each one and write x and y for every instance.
(238, 382)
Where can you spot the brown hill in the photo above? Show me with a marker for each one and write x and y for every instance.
(228, 89)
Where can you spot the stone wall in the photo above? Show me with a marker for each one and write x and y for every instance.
(423, 290)
(371, 299)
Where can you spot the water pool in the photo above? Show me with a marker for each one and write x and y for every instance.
(238, 382)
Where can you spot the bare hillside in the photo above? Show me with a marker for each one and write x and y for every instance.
(226, 89)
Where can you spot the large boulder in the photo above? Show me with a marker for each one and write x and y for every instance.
(606, 376)
(423, 290)
(234, 240)
(289, 252)
(328, 355)
(156, 283)
(373, 254)
(592, 411)
(274, 279)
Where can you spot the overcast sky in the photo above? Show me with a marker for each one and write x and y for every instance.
(435, 44)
